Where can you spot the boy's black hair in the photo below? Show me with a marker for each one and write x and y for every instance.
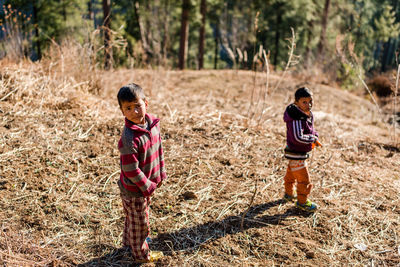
(130, 92)
(302, 92)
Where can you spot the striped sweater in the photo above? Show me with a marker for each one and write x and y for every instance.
(300, 133)
(141, 158)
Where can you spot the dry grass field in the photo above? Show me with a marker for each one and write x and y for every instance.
(223, 142)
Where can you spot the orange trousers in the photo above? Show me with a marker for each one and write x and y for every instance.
(297, 172)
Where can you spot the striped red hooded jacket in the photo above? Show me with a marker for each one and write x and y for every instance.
(141, 158)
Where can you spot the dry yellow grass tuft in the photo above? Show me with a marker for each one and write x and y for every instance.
(59, 163)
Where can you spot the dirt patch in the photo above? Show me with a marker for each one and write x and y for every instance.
(59, 165)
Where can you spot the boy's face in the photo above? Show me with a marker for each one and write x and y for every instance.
(305, 104)
(135, 111)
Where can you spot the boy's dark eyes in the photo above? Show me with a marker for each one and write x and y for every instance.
(134, 107)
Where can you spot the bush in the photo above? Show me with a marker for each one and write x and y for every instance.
(347, 76)
(381, 85)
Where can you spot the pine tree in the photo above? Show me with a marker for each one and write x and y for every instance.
(106, 33)
(183, 45)
(324, 25)
(386, 28)
(203, 11)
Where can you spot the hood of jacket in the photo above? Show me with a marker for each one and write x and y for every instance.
(292, 112)
(151, 120)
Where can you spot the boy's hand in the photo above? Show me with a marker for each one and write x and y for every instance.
(315, 144)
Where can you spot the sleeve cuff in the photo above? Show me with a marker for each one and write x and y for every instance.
(150, 190)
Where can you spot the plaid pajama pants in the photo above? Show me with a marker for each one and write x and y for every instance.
(137, 226)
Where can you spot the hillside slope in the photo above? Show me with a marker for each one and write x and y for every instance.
(60, 203)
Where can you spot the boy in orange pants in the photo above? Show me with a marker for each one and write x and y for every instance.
(301, 138)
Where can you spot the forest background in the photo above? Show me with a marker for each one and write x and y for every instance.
(212, 34)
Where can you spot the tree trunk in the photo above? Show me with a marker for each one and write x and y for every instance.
(358, 33)
(277, 33)
(307, 58)
(203, 11)
(387, 51)
(184, 33)
(107, 35)
(166, 40)
(36, 22)
(63, 11)
(90, 10)
(322, 40)
(143, 37)
(216, 46)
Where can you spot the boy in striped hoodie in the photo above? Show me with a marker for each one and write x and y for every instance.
(301, 138)
(142, 169)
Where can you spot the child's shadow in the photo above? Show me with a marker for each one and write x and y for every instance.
(193, 237)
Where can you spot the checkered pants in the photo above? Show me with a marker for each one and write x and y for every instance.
(137, 227)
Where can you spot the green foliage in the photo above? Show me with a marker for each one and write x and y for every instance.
(151, 29)
(55, 21)
(16, 29)
(347, 76)
(385, 24)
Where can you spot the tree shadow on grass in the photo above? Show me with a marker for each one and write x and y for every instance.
(193, 237)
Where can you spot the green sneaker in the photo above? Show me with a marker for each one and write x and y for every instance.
(308, 206)
(289, 198)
